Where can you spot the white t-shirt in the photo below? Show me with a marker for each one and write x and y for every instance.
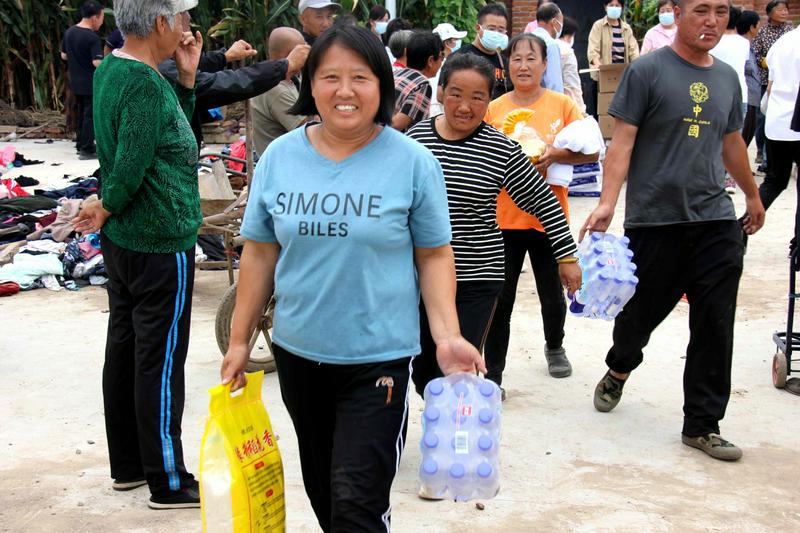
(734, 50)
(783, 61)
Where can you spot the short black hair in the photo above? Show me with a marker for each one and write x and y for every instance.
(662, 3)
(492, 9)
(734, 14)
(531, 39)
(747, 21)
(621, 2)
(90, 8)
(421, 46)
(362, 42)
(345, 20)
(377, 12)
(570, 26)
(394, 25)
(547, 12)
(774, 3)
(458, 62)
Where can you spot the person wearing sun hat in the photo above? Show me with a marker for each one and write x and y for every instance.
(451, 39)
(316, 16)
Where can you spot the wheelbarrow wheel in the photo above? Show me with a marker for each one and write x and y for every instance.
(260, 358)
(779, 370)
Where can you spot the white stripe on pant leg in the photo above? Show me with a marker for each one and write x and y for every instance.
(398, 446)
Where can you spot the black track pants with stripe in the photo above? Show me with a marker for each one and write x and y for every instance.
(150, 304)
(350, 422)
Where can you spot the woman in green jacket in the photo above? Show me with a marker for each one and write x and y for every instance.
(149, 215)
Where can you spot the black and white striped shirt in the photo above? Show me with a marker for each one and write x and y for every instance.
(475, 170)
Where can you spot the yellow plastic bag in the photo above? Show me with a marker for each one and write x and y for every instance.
(241, 474)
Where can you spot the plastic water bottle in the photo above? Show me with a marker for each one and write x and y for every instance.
(461, 438)
(608, 276)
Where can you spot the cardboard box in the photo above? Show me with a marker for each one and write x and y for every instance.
(606, 125)
(609, 77)
(604, 102)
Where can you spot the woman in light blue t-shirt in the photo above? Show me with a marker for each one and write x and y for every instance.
(348, 221)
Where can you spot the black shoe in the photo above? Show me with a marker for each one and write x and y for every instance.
(557, 363)
(608, 393)
(186, 498)
(87, 155)
(123, 485)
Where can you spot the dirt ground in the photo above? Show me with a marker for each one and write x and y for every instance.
(564, 465)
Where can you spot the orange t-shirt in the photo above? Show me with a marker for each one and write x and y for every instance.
(553, 111)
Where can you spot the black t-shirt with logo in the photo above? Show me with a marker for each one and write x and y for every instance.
(82, 46)
(682, 112)
(502, 82)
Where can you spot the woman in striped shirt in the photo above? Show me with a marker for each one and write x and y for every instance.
(478, 161)
(611, 39)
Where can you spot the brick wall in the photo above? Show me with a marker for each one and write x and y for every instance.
(523, 11)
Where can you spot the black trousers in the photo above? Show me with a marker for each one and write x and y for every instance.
(749, 127)
(704, 261)
(150, 307)
(350, 422)
(548, 286)
(84, 129)
(475, 304)
(782, 156)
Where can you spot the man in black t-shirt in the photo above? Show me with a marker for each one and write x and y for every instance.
(490, 43)
(82, 49)
(678, 115)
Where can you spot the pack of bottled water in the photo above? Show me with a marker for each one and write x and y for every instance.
(461, 438)
(609, 279)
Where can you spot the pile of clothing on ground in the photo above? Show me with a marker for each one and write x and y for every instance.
(38, 247)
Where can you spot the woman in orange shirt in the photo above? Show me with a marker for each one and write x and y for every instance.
(522, 233)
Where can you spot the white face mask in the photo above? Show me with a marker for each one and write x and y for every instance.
(571, 42)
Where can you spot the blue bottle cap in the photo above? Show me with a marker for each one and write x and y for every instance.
(619, 280)
(430, 467)
(624, 240)
(435, 387)
(485, 443)
(461, 389)
(484, 470)
(457, 470)
(596, 235)
(431, 440)
(487, 388)
(485, 415)
(431, 413)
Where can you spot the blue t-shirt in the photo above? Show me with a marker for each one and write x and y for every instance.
(346, 287)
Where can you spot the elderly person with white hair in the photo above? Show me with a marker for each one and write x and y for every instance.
(149, 214)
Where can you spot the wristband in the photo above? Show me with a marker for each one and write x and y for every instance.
(570, 259)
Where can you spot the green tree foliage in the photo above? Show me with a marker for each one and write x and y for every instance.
(641, 15)
(34, 76)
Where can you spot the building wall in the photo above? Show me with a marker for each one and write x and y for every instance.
(523, 11)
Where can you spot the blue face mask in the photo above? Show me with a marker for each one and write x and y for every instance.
(494, 40)
(614, 12)
(456, 45)
(380, 27)
(666, 19)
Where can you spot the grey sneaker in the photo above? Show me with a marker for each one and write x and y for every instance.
(715, 446)
(557, 362)
(608, 393)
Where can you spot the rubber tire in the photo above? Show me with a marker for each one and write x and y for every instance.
(779, 370)
(224, 320)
